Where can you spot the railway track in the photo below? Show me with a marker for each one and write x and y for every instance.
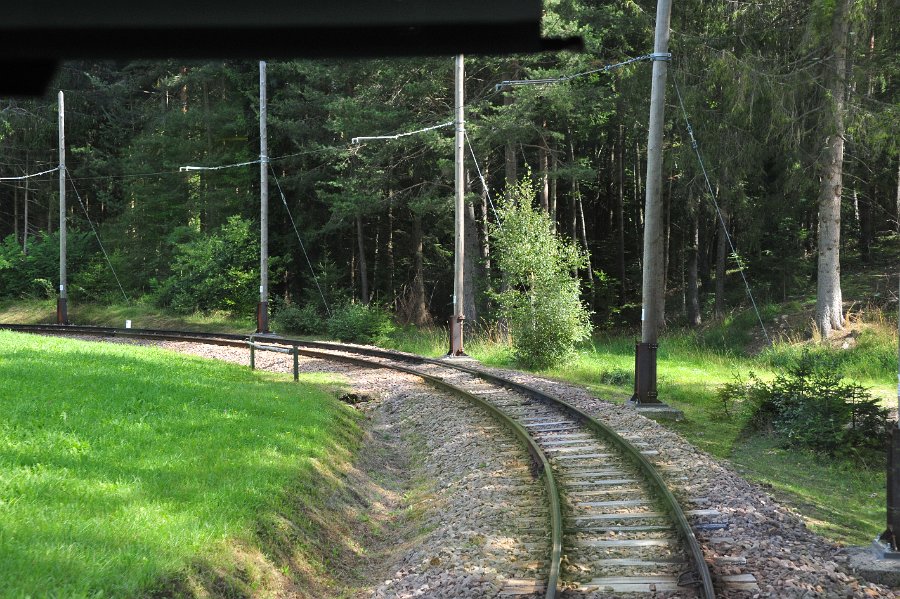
(614, 527)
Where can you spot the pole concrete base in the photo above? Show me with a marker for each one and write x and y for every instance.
(875, 563)
(656, 411)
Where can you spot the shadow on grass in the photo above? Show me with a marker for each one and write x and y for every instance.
(121, 465)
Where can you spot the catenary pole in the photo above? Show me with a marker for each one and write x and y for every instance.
(458, 317)
(25, 227)
(262, 310)
(653, 285)
(62, 313)
(890, 538)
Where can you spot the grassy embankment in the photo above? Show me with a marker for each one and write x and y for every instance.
(129, 470)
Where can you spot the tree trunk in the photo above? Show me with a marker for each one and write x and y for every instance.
(206, 218)
(620, 215)
(667, 239)
(25, 214)
(418, 310)
(390, 250)
(183, 92)
(484, 238)
(573, 195)
(50, 214)
(16, 212)
(898, 195)
(693, 284)
(707, 236)
(638, 206)
(721, 263)
(363, 275)
(376, 260)
(544, 167)
(510, 154)
(471, 268)
(829, 309)
(587, 251)
(864, 204)
(553, 191)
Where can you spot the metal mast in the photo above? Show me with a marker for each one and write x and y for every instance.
(262, 310)
(458, 316)
(654, 270)
(62, 313)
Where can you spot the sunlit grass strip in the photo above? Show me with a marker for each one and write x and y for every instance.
(142, 315)
(121, 465)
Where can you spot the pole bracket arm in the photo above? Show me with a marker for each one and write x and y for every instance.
(663, 56)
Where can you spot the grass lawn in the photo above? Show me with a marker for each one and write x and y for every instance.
(122, 466)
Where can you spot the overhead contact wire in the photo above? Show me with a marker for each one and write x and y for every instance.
(29, 176)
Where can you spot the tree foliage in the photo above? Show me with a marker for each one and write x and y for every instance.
(379, 215)
(543, 297)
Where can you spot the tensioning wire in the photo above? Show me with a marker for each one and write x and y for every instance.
(483, 182)
(712, 195)
(311, 269)
(87, 216)
(356, 140)
(563, 78)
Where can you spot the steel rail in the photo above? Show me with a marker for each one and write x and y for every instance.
(539, 458)
(701, 570)
(689, 540)
(670, 503)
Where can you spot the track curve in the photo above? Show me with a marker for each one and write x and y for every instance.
(618, 538)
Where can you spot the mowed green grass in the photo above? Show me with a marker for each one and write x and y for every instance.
(121, 465)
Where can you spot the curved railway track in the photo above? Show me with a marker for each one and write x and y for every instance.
(614, 527)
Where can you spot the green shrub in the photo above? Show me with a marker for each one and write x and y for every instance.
(218, 271)
(542, 300)
(358, 323)
(811, 406)
(36, 274)
(615, 376)
(299, 320)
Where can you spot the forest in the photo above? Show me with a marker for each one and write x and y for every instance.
(793, 105)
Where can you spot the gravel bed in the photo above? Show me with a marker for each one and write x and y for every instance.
(470, 535)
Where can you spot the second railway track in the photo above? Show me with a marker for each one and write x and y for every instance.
(614, 527)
